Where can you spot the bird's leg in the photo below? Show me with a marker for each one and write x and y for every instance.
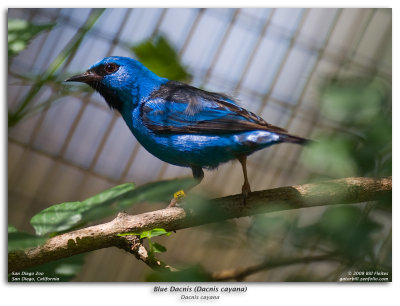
(246, 186)
(198, 175)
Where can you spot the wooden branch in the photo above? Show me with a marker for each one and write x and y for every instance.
(133, 245)
(341, 191)
(239, 274)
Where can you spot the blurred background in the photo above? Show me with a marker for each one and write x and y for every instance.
(319, 73)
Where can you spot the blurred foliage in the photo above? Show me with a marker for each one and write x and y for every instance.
(66, 216)
(267, 231)
(225, 235)
(159, 192)
(21, 32)
(361, 107)
(343, 230)
(71, 215)
(12, 229)
(51, 74)
(159, 56)
(187, 274)
(360, 146)
(21, 240)
(62, 270)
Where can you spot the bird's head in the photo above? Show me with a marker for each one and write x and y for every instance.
(120, 80)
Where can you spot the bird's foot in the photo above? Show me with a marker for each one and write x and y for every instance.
(245, 191)
(178, 197)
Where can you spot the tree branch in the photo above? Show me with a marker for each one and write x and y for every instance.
(133, 245)
(240, 274)
(341, 191)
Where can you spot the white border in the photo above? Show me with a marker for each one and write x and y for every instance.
(258, 293)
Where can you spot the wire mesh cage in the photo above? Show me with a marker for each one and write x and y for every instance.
(273, 61)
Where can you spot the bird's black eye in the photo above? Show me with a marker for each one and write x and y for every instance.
(110, 68)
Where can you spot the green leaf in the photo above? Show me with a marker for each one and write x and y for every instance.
(12, 229)
(65, 216)
(21, 240)
(158, 248)
(154, 233)
(147, 234)
(21, 32)
(332, 155)
(362, 147)
(159, 56)
(355, 101)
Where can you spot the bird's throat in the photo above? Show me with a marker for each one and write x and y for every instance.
(112, 98)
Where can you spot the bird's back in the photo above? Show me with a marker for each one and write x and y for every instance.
(179, 108)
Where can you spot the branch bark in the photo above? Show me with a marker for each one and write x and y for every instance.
(341, 191)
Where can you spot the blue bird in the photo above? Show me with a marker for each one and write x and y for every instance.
(180, 124)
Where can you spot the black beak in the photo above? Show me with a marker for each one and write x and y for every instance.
(87, 77)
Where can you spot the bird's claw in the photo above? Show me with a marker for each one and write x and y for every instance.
(245, 192)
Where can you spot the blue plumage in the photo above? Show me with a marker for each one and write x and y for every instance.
(180, 124)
